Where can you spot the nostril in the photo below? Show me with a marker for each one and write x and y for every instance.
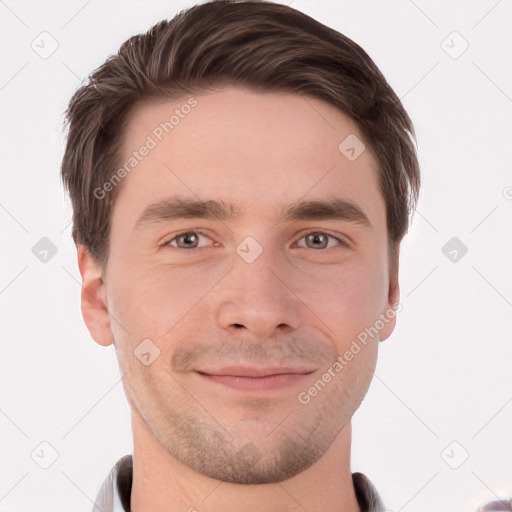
(238, 326)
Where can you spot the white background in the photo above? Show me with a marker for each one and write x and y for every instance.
(443, 376)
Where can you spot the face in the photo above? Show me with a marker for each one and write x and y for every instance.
(247, 254)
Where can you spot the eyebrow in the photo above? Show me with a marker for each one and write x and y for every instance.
(179, 208)
(328, 209)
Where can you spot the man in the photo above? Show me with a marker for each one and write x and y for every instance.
(241, 178)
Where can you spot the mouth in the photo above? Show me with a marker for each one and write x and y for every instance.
(245, 378)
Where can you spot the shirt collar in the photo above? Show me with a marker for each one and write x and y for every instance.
(114, 494)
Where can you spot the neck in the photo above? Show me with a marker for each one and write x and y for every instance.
(161, 482)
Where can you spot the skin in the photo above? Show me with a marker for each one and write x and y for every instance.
(200, 444)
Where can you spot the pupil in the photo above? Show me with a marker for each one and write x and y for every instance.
(189, 239)
(317, 239)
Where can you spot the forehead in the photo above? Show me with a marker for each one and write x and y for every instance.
(256, 151)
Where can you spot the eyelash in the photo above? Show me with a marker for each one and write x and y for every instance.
(339, 240)
(198, 232)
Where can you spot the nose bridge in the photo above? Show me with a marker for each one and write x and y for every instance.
(257, 296)
(257, 280)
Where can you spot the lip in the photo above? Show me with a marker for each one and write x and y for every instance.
(258, 371)
(255, 378)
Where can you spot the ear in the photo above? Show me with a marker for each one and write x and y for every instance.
(393, 303)
(93, 302)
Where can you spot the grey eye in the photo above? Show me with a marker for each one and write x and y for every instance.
(187, 240)
(317, 240)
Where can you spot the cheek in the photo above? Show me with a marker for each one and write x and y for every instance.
(150, 300)
(346, 300)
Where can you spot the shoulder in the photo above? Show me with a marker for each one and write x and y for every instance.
(367, 496)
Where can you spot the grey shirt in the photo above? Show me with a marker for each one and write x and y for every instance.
(114, 495)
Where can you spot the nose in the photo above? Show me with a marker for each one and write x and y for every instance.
(259, 298)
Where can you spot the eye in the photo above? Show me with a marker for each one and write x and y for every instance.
(189, 240)
(318, 240)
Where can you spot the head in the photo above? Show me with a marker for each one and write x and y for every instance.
(241, 179)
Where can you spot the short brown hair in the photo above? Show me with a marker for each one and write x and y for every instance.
(256, 44)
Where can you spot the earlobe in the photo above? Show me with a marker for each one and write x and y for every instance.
(93, 301)
(393, 303)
